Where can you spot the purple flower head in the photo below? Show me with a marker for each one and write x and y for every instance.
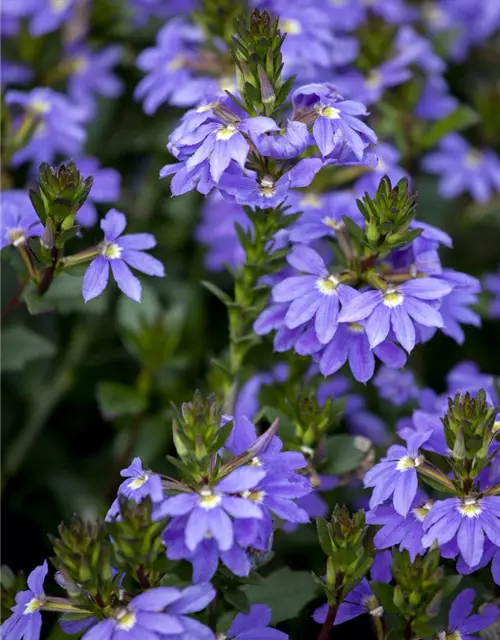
(455, 307)
(463, 169)
(381, 569)
(286, 143)
(170, 68)
(396, 475)
(414, 49)
(463, 625)
(491, 554)
(423, 421)
(105, 189)
(60, 125)
(14, 73)
(26, 619)
(357, 602)
(369, 89)
(435, 101)
(492, 286)
(335, 120)
(264, 191)
(317, 295)
(157, 614)
(140, 483)
(468, 521)
(49, 15)
(254, 625)
(466, 376)
(405, 531)
(18, 220)
(398, 387)
(350, 344)
(388, 157)
(397, 307)
(321, 214)
(93, 75)
(211, 507)
(119, 251)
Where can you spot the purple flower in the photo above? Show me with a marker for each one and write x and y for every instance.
(369, 89)
(222, 142)
(381, 569)
(350, 343)
(357, 602)
(140, 483)
(157, 614)
(317, 295)
(335, 120)
(286, 143)
(254, 626)
(169, 65)
(14, 73)
(119, 251)
(397, 307)
(265, 192)
(18, 220)
(26, 619)
(491, 554)
(105, 189)
(210, 508)
(435, 101)
(492, 286)
(396, 386)
(461, 624)
(396, 475)
(405, 531)
(466, 376)
(93, 76)
(60, 125)
(47, 15)
(468, 520)
(463, 169)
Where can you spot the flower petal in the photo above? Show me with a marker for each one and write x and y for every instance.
(307, 260)
(126, 280)
(95, 278)
(143, 262)
(113, 224)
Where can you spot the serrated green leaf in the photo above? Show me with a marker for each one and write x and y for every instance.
(285, 591)
(117, 400)
(21, 345)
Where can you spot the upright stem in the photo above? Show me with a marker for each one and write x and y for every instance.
(378, 627)
(328, 623)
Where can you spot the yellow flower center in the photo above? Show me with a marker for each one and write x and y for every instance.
(355, 327)
(176, 63)
(329, 112)
(407, 462)
(33, 605)
(225, 133)
(111, 250)
(392, 298)
(311, 200)
(470, 508)
(16, 236)
(291, 26)
(138, 482)
(267, 187)
(125, 619)
(373, 79)
(327, 286)
(332, 223)
(473, 158)
(39, 106)
(208, 499)
(254, 496)
(59, 5)
(421, 512)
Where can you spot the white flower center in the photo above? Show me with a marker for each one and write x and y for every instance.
(291, 26)
(125, 619)
(225, 133)
(453, 635)
(311, 200)
(256, 462)
(33, 605)
(421, 512)
(138, 482)
(382, 165)
(209, 499)
(16, 236)
(327, 286)
(407, 462)
(332, 223)
(59, 5)
(176, 63)
(329, 112)
(80, 64)
(39, 106)
(355, 327)
(473, 158)
(392, 298)
(111, 250)
(470, 508)
(254, 496)
(267, 188)
(373, 80)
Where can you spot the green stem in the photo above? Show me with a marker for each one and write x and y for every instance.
(378, 627)
(47, 400)
(435, 474)
(328, 624)
(80, 258)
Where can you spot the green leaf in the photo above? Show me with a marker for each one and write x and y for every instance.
(285, 591)
(345, 453)
(218, 293)
(461, 118)
(117, 400)
(385, 595)
(64, 296)
(238, 599)
(21, 345)
(324, 536)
